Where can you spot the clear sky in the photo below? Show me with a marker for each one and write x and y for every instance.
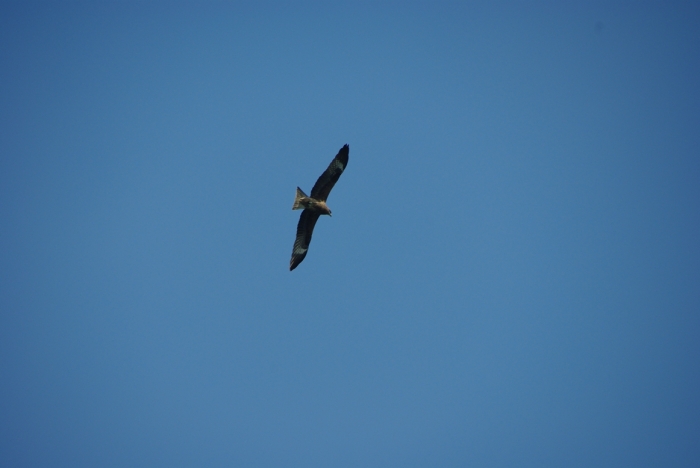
(511, 276)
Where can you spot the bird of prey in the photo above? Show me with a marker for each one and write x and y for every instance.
(315, 205)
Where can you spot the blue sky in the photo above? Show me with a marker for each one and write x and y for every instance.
(511, 276)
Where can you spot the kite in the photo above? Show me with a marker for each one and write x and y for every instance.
(315, 205)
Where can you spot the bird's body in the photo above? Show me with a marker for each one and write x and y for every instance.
(303, 202)
(315, 205)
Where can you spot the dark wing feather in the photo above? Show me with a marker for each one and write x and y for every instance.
(325, 183)
(305, 229)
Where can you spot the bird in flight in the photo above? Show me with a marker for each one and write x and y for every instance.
(315, 205)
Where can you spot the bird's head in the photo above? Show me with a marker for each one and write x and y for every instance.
(323, 209)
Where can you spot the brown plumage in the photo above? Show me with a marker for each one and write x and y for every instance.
(315, 205)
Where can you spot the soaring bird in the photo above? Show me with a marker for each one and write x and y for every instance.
(315, 205)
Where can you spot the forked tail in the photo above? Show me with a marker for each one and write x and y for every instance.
(297, 200)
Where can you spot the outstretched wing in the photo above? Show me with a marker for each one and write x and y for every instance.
(325, 183)
(305, 228)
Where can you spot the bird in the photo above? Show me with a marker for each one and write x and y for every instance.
(315, 205)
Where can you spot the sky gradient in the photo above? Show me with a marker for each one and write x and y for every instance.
(511, 276)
